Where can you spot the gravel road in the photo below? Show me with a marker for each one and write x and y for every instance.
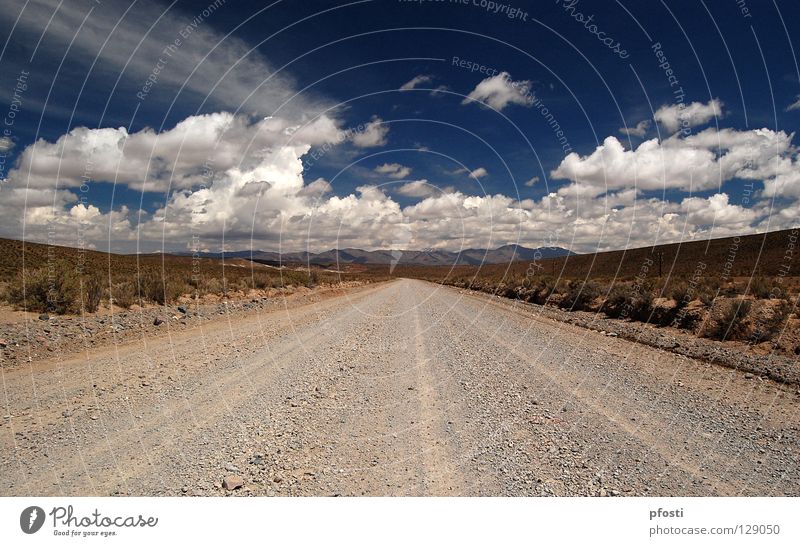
(401, 388)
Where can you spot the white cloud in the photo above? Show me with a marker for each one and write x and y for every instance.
(263, 201)
(531, 182)
(418, 188)
(317, 188)
(374, 134)
(716, 210)
(500, 91)
(699, 162)
(393, 170)
(684, 116)
(795, 105)
(176, 158)
(415, 81)
(640, 130)
(208, 64)
(6, 144)
(480, 172)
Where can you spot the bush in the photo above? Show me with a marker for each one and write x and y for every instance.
(764, 288)
(760, 287)
(681, 293)
(46, 290)
(614, 305)
(579, 295)
(262, 281)
(733, 322)
(708, 290)
(151, 287)
(624, 301)
(123, 294)
(542, 289)
(211, 286)
(157, 289)
(92, 293)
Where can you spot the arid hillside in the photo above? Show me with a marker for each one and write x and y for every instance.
(738, 288)
(774, 254)
(55, 279)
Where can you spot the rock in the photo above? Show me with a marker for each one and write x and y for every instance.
(66, 413)
(232, 482)
(44, 316)
(158, 321)
(230, 467)
(3, 344)
(257, 460)
(182, 309)
(748, 376)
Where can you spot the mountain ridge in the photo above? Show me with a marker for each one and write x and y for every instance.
(473, 256)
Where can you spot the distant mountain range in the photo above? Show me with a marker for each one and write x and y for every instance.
(472, 256)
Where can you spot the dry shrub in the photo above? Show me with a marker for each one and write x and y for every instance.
(123, 294)
(732, 323)
(47, 290)
(156, 288)
(92, 293)
(579, 295)
(627, 302)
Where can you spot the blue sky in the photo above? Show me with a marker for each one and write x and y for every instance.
(593, 125)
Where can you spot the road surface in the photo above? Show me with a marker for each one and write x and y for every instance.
(400, 388)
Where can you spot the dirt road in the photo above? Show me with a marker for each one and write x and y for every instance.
(403, 388)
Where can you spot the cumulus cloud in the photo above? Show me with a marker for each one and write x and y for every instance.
(263, 201)
(6, 144)
(795, 105)
(178, 158)
(531, 182)
(639, 131)
(423, 189)
(716, 210)
(317, 188)
(683, 116)
(417, 188)
(499, 91)
(393, 170)
(480, 172)
(415, 81)
(373, 134)
(699, 162)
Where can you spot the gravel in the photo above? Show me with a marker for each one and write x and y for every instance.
(761, 360)
(402, 388)
(63, 335)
